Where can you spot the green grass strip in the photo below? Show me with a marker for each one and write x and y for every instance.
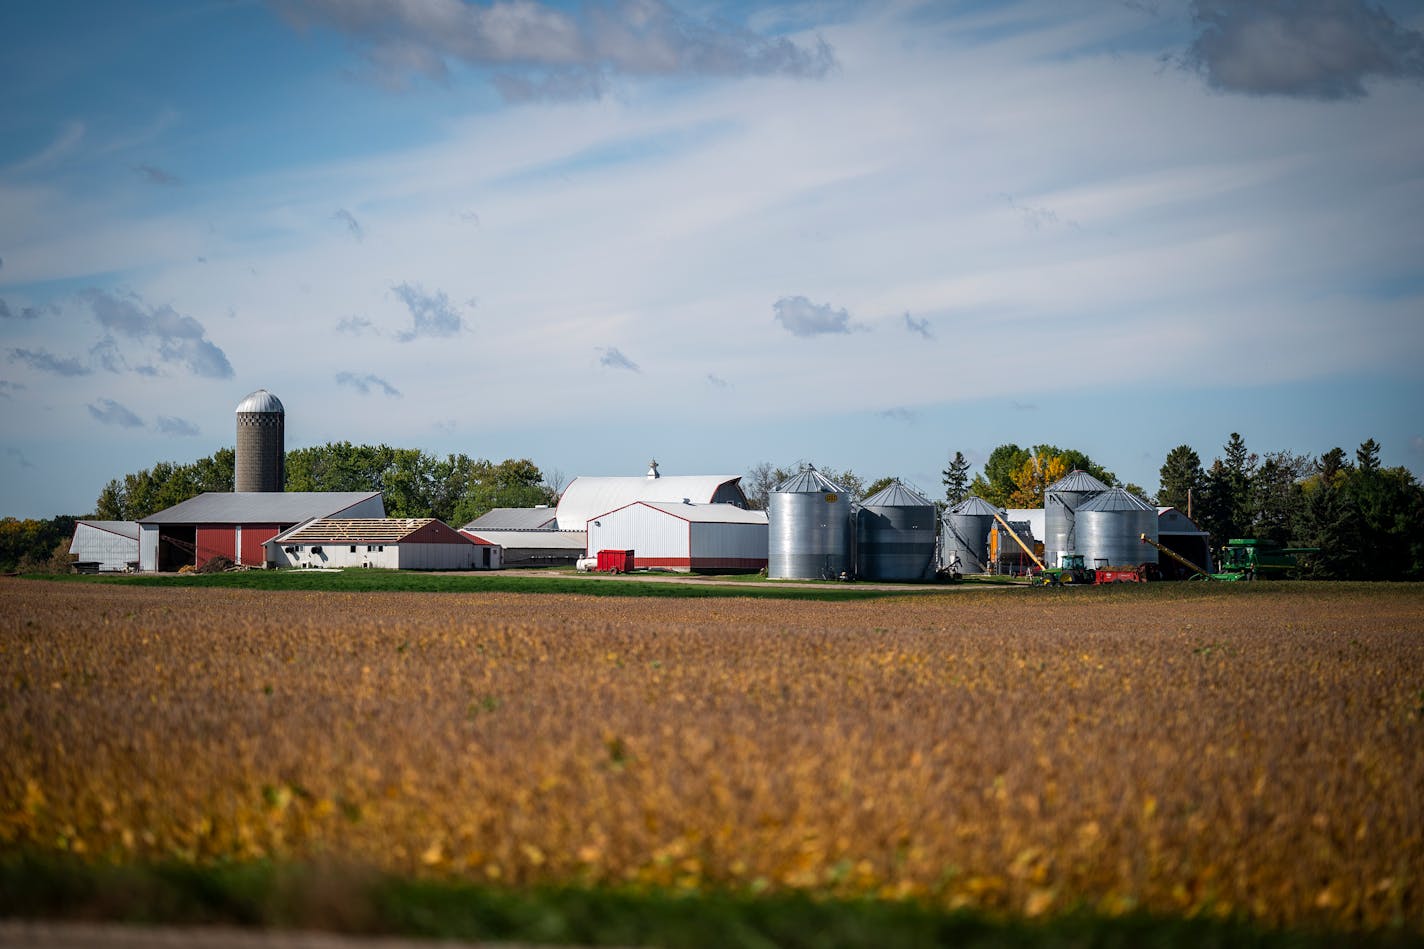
(263, 895)
(403, 581)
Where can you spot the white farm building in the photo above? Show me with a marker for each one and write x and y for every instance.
(105, 546)
(392, 543)
(586, 498)
(683, 536)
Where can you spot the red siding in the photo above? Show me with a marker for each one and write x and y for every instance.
(253, 537)
(704, 563)
(216, 542)
(436, 532)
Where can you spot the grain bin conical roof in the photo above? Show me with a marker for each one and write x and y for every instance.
(1116, 499)
(1077, 481)
(808, 481)
(976, 506)
(896, 494)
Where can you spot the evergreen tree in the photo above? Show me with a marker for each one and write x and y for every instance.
(1276, 495)
(1182, 478)
(956, 478)
(1328, 520)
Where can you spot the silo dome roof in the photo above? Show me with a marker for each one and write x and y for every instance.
(975, 505)
(261, 401)
(1115, 499)
(896, 495)
(808, 481)
(1077, 481)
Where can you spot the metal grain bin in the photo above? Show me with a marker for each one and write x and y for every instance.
(966, 534)
(895, 535)
(1060, 501)
(260, 462)
(809, 519)
(1110, 526)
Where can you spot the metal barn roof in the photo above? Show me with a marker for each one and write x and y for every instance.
(586, 498)
(127, 529)
(531, 540)
(897, 494)
(705, 513)
(259, 507)
(261, 401)
(515, 519)
(1116, 499)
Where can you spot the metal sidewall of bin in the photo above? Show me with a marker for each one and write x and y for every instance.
(966, 536)
(809, 535)
(894, 543)
(1113, 538)
(1060, 524)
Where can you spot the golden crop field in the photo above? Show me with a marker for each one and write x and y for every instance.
(1249, 753)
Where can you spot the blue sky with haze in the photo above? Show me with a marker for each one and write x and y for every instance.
(864, 234)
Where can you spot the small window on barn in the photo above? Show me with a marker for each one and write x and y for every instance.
(353, 548)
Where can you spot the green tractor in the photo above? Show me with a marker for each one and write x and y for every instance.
(1070, 571)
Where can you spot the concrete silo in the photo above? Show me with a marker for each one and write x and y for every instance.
(261, 463)
(810, 522)
(1060, 502)
(895, 535)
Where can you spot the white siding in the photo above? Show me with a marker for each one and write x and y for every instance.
(113, 551)
(392, 557)
(654, 536)
(148, 546)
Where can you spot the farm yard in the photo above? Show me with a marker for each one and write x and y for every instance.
(1250, 754)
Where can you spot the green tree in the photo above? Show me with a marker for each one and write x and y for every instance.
(1276, 495)
(995, 483)
(1390, 505)
(1182, 478)
(32, 544)
(956, 478)
(1327, 519)
(876, 486)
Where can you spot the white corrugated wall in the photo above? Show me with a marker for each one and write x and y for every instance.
(657, 539)
(112, 551)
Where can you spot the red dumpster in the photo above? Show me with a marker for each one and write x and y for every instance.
(615, 561)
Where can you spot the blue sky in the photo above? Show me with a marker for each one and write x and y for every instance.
(864, 234)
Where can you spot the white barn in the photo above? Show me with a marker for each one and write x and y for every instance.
(586, 498)
(105, 546)
(392, 543)
(684, 536)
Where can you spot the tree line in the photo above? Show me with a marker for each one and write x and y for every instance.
(1366, 520)
(455, 488)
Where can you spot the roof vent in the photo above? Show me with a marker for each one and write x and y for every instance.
(653, 469)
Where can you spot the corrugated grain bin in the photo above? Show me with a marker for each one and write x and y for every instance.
(1110, 528)
(1060, 502)
(809, 519)
(895, 535)
(966, 534)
